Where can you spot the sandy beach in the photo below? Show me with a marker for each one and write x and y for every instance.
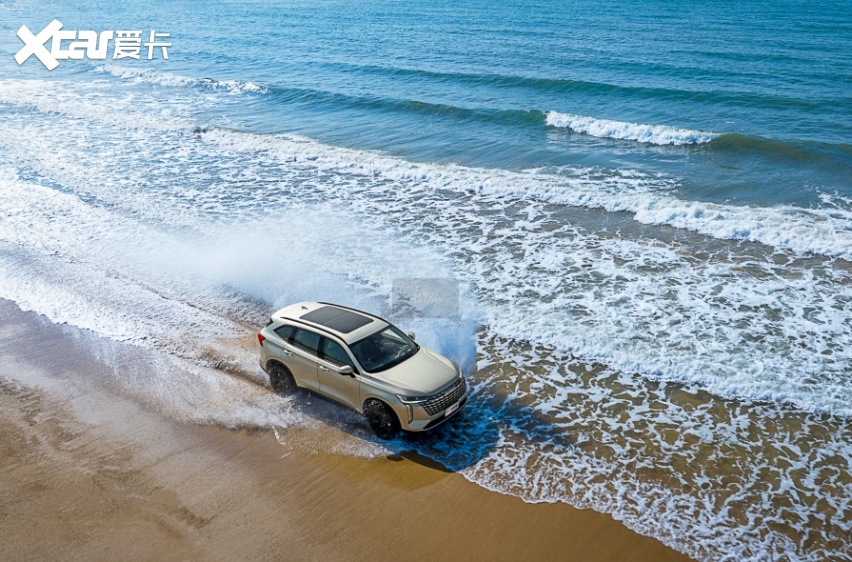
(88, 474)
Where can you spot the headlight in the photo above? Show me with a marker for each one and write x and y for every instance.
(412, 399)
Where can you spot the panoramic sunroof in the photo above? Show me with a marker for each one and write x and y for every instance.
(337, 319)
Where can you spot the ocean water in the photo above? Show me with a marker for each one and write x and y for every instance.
(648, 207)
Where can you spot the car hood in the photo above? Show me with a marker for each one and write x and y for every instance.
(422, 374)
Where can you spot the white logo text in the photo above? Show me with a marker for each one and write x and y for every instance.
(86, 44)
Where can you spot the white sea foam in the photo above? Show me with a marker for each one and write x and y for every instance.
(720, 338)
(611, 440)
(826, 231)
(819, 231)
(100, 104)
(139, 75)
(609, 129)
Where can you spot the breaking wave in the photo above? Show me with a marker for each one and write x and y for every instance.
(176, 80)
(623, 130)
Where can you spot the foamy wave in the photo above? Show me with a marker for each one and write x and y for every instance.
(176, 80)
(826, 231)
(99, 104)
(606, 128)
(819, 231)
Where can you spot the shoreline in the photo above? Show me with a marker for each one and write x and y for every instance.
(89, 473)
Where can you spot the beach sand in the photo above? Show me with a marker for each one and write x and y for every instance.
(91, 474)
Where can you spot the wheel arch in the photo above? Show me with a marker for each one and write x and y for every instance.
(272, 362)
(380, 400)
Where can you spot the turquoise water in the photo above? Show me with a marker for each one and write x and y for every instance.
(648, 206)
(473, 83)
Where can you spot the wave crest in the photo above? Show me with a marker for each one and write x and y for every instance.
(623, 130)
(176, 80)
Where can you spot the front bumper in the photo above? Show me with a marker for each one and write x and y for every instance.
(414, 418)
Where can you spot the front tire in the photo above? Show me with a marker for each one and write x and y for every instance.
(281, 380)
(382, 419)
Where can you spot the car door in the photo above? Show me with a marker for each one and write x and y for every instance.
(302, 357)
(346, 389)
(276, 346)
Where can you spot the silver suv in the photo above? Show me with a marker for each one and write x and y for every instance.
(363, 362)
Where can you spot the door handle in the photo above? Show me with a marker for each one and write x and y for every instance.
(323, 368)
(287, 352)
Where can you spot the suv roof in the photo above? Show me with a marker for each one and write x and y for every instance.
(348, 324)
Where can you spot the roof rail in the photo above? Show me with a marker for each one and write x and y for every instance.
(313, 326)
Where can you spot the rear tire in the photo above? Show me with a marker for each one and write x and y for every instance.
(281, 380)
(382, 419)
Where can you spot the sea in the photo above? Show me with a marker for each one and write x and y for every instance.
(646, 206)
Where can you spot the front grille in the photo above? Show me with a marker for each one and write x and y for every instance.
(444, 400)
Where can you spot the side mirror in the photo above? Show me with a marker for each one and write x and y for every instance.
(346, 370)
(411, 335)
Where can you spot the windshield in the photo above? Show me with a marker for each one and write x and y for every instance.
(383, 350)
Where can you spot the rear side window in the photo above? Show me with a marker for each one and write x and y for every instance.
(286, 332)
(333, 351)
(306, 340)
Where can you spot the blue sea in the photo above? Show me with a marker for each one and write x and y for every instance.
(647, 206)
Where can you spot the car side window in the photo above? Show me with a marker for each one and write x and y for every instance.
(286, 332)
(334, 352)
(307, 340)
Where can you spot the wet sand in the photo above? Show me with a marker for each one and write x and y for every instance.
(89, 474)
